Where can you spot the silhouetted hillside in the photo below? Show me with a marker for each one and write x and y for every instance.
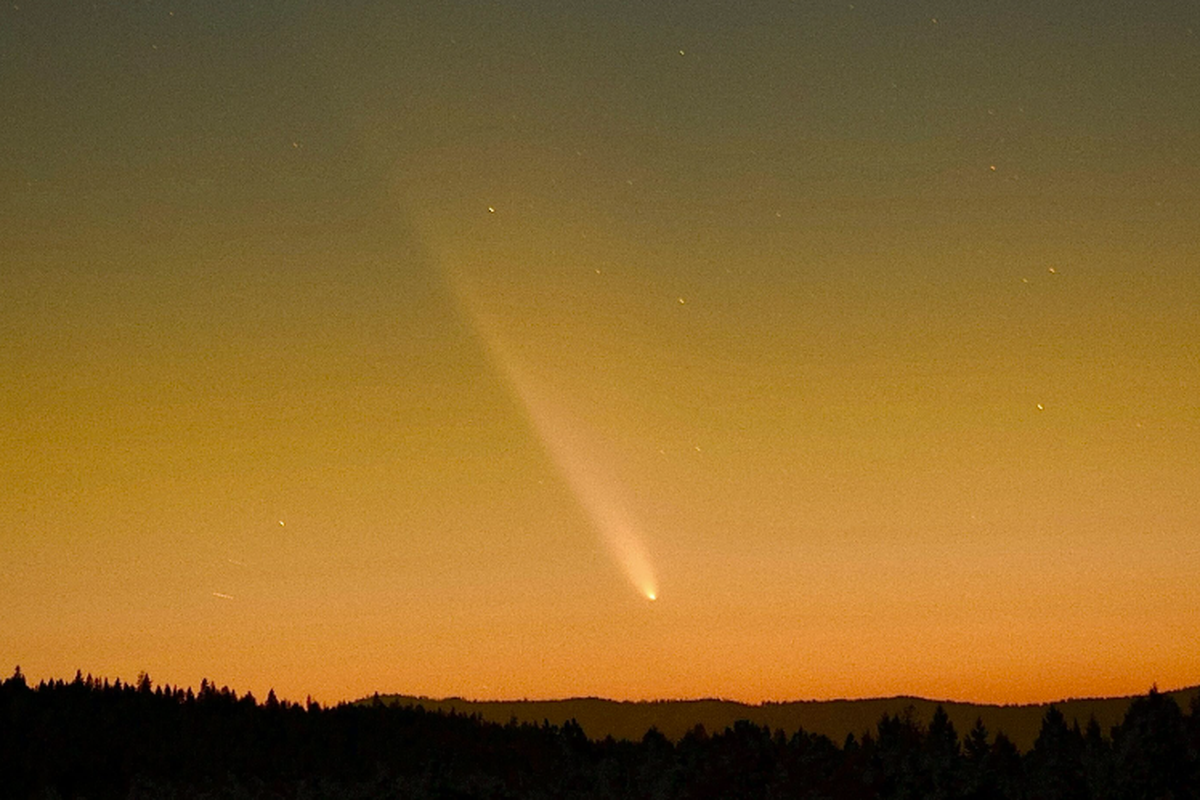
(99, 739)
(833, 718)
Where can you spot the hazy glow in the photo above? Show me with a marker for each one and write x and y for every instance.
(572, 450)
(886, 421)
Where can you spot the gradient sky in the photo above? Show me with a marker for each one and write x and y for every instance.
(364, 346)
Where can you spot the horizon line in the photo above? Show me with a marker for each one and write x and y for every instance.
(350, 700)
(576, 698)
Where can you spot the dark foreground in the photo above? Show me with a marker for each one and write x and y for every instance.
(94, 739)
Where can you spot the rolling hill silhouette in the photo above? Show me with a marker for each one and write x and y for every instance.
(833, 718)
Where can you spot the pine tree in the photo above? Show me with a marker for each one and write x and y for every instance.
(1150, 749)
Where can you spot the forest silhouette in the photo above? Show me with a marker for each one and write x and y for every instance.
(100, 739)
(624, 719)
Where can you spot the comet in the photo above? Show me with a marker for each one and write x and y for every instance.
(595, 490)
(571, 449)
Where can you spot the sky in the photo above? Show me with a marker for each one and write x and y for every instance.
(763, 351)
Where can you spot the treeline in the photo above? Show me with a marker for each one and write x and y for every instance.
(96, 739)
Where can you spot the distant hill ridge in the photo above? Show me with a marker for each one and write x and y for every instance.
(833, 718)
